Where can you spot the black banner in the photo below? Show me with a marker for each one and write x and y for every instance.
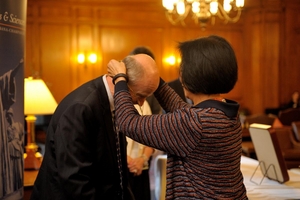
(12, 51)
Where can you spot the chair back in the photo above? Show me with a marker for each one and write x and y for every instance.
(296, 130)
(284, 137)
(260, 119)
(288, 116)
(160, 170)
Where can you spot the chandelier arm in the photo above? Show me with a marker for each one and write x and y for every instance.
(180, 18)
(170, 18)
(202, 17)
(223, 14)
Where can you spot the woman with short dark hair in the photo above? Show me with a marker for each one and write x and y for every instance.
(202, 141)
(208, 65)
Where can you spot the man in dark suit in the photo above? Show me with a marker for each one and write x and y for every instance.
(80, 159)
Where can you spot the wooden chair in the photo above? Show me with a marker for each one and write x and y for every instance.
(160, 170)
(260, 119)
(296, 130)
(289, 146)
(289, 115)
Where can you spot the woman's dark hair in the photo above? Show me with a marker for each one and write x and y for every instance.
(208, 65)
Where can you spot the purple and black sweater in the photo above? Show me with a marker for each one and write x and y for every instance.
(203, 143)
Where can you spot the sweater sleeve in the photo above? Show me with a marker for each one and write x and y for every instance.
(173, 132)
(168, 98)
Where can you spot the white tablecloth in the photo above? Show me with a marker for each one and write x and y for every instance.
(256, 190)
(269, 189)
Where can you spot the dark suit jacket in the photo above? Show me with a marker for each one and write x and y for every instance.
(80, 160)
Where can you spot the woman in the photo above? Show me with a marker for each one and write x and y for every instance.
(295, 100)
(203, 141)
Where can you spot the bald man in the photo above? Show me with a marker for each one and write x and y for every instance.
(80, 160)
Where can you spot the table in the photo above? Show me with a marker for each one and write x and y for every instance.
(267, 190)
(29, 178)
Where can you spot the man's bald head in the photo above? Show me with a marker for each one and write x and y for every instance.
(143, 73)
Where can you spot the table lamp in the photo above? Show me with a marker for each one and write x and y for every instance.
(38, 100)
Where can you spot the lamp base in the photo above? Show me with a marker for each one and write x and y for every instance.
(31, 162)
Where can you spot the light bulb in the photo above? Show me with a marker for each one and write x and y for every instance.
(92, 58)
(213, 7)
(80, 58)
(180, 8)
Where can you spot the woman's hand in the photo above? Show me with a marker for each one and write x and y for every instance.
(115, 67)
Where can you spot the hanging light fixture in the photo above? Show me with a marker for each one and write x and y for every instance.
(203, 10)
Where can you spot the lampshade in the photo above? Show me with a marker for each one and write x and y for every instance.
(38, 99)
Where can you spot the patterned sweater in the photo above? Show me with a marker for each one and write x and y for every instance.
(203, 143)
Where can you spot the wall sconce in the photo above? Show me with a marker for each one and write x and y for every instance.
(86, 59)
(171, 60)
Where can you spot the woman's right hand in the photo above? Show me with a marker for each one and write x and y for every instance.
(115, 67)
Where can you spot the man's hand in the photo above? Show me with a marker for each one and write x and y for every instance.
(135, 165)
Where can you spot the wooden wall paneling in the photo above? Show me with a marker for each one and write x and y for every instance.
(290, 68)
(54, 11)
(29, 53)
(270, 61)
(73, 50)
(85, 41)
(55, 43)
(49, 34)
(252, 91)
(245, 72)
(97, 46)
(256, 71)
(118, 42)
(32, 62)
(130, 14)
(263, 40)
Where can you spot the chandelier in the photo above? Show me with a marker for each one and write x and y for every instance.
(203, 10)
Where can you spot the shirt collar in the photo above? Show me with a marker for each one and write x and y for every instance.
(110, 97)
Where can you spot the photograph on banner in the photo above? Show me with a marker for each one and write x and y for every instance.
(12, 45)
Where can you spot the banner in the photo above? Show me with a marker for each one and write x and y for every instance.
(12, 52)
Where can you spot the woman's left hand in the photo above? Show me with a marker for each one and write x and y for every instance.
(115, 67)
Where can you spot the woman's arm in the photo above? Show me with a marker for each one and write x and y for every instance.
(175, 133)
(168, 98)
